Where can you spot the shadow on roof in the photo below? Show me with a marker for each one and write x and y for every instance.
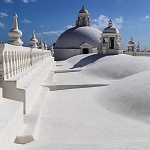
(88, 60)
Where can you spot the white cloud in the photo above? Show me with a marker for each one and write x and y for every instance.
(2, 25)
(49, 34)
(27, 1)
(42, 26)
(8, 1)
(2, 15)
(102, 22)
(120, 1)
(119, 20)
(69, 26)
(25, 21)
(146, 17)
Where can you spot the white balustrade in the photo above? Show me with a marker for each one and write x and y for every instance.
(18, 59)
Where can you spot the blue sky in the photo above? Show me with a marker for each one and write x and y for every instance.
(50, 18)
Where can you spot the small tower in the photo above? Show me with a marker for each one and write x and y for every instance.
(145, 49)
(41, 45)
(15, 33)
(132, 46)
(110, 40)
(83, 18)
(45, 45)
(33, 41)
(138, 48)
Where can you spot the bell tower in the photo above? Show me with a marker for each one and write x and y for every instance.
(83, 18)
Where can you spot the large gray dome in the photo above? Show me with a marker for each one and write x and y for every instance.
(75, 37)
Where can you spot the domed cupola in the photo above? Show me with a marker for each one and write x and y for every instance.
(81, 39)
(83, 18)
(110, 40)
(138, 48)
(110, 28)
(131, 42)
(131, 46)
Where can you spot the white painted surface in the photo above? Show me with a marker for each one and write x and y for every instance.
(11, 121)
(113, 117)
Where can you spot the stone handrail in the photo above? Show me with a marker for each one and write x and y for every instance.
(16, 59)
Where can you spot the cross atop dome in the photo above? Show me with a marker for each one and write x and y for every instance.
(83, 18)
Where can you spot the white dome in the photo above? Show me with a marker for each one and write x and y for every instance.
(75, 37)
(110, 30)
(131, 42)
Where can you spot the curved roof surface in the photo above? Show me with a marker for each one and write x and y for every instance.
(75, 37)
(83, 10)
(110, 30)
(131, 42)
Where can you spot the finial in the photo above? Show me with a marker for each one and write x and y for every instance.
(33, 41)
(15, 33)
(83, 7)
(131, 38)
(41, 45)
(33, 34)
(110, 23)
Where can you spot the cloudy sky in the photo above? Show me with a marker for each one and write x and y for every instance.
(49, 18)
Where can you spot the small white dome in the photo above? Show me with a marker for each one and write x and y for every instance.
(83, 10)
(131, 41)
(110, 30)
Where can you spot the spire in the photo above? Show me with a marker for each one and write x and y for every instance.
(15, 25)
(131, 38)
(138, 44)
(110, 23)
(145, 49)
(15, 33)
(83, 7)
(41, 45)
(33, 41)
(138, 49)
(45, 45)
(33, 34)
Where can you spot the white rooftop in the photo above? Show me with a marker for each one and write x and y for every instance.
(104, 117)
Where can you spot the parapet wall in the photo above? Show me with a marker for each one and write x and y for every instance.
(138, 53)
(22, 72)
(16, 59)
